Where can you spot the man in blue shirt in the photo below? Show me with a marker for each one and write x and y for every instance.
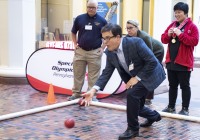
(88, 50)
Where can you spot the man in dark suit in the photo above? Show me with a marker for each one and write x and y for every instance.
(142, 73)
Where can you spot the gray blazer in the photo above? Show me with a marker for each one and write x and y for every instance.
(146, 66)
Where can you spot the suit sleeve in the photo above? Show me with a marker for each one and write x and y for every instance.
(105, 76)
(147, 56)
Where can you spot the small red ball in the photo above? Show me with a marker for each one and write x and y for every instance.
(69, 123)
(79, 102)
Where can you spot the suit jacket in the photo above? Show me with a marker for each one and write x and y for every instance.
(155, 45)
(146, 66)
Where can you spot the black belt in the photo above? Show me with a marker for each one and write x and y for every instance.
(89, 49)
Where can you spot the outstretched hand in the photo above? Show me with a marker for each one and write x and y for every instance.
(87, 97)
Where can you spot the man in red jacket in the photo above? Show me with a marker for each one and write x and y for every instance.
(181, 36)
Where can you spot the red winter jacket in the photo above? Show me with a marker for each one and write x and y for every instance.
(188, 40)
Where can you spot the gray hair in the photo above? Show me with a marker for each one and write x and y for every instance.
(133, 22)
(93, 1)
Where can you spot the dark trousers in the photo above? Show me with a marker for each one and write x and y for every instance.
(135, 106)
(175, 78)
(150, 95)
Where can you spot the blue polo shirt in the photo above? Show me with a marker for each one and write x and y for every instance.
(89, 39)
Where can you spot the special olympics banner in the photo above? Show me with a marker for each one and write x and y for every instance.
(55, 66)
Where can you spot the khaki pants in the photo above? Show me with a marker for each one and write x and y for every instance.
(83, 59)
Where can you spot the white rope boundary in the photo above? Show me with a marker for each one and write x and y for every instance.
(164, 114)
(99, 104)
(36, 110)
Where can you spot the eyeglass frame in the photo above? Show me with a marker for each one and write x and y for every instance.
(91, 8)
(107, 38)
(130, 28)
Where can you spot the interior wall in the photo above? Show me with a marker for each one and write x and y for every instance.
(131, 9)
(59, 15)
(38, 19)
(196, 20)
(44, 14)
(145, 16)
(56, 19)
(4, 32)
(79, 8)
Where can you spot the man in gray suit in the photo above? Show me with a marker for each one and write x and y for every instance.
(141, 72)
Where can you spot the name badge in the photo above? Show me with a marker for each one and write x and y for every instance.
(88, 27)
(131, 67)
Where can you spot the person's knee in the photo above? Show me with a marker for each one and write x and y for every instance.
(185, 87)
(128, 93)
(132, 95)
(173, 86)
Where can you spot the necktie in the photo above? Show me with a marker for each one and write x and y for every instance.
(122, 60)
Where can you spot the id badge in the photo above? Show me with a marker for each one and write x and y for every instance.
(131, 67)
(88, 27)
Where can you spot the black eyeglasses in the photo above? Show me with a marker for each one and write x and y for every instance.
(108, 38)
(90, 7)
(129, 28)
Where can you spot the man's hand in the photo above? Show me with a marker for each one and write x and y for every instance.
(88, 96)
(133, 81)
(76, 46)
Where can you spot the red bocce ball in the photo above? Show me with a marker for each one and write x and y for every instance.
(69, 123)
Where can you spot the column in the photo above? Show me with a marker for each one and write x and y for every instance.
(20, 33)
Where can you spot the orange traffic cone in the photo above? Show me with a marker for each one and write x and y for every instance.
(51, 96)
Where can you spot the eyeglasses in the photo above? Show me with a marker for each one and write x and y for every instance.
(108, 38)
(90, 7)
(129, 28)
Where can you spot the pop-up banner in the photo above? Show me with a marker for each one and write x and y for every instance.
(55, 66)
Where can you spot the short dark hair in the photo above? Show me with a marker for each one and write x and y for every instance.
(181, 6)
(114, 28)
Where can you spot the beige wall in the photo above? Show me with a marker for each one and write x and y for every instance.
(131, 9)
(79, 8)
(43, 8)
(38, 19)
(151, 17)
(4, 32)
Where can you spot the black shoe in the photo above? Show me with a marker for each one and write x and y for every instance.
(184, 111)
(148, 123)
(129, 133)
(148, 102)
(169, 110)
